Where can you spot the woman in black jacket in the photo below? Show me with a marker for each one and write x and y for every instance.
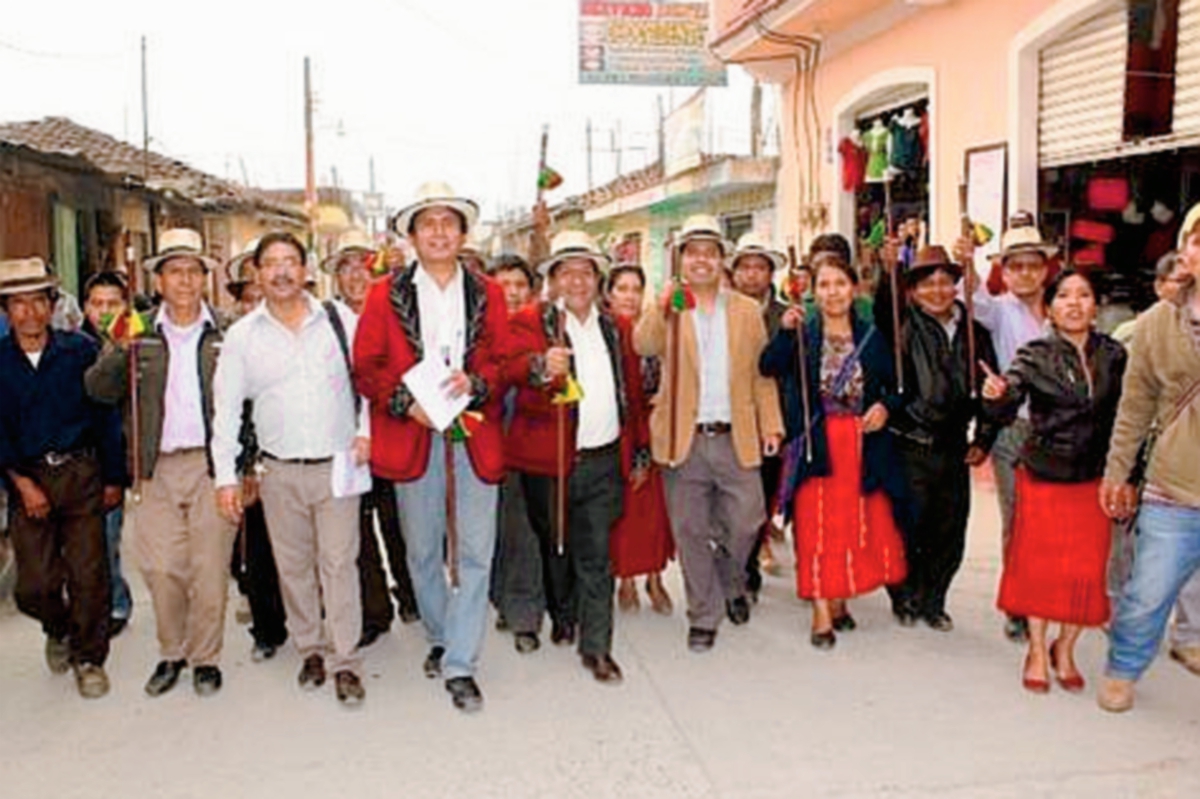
(847, 543)
(931, 430)
(1055, 566)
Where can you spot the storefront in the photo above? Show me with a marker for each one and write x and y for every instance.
(1080, 105)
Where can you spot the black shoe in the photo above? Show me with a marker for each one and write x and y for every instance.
(562, 633)
(824, 640)
(1016, 629)
(526, 642)
(465, 694)
(502, 623)
(603, 668)
(906, 618)
(701, 640)
(206, 680)
(408, 614)
(433, 662)
(940, 621)
(738, 610)
(349, 688)
(845, 623)
(165, 675)
(117, 625)
(371, 635)
(312, 674)
(262, 651)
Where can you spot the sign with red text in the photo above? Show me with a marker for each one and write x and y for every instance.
(646, 44)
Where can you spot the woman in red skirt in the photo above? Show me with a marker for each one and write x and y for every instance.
(641, 541)
(840, 472)
(1054, 569)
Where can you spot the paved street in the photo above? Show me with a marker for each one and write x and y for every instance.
(890, 712)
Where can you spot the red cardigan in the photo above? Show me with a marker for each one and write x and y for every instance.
(531, 443)
(388, 344)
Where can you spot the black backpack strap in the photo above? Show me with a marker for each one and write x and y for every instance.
(339, 330)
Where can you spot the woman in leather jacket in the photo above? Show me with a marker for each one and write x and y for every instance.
(1055, 566)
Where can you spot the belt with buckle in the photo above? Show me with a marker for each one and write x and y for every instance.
(57, 459)
(711, 429)
(596, 452)
(299, 461)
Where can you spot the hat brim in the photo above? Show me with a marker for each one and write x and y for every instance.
(704, 236)
(327, 264)
(916, 274)
(403, 218)
(777, 259)
(602, 262)
(1047, 250)
(153, 263)
(28, 286)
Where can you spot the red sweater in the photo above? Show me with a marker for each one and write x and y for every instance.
(531, 444)
(388, 344)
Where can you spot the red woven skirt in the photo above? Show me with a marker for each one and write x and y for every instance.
(1057, 560)
(640, 542)
(847, 544)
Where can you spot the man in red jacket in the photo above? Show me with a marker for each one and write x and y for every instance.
(446, 479)
(577, 426)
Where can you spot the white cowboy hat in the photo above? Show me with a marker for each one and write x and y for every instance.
(353, 240)
(702, 227)
(236, 271)
(179, 242)
(1017, 240)
(433, 195)
(20, 275)
(754, 244)
(575, 244)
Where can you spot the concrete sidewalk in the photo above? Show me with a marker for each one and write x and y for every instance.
(890, 712)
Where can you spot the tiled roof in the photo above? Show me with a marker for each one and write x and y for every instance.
(126, 164)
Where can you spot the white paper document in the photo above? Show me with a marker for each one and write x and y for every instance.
(350, 479)
(425, 381)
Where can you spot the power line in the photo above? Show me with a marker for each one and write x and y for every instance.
(61, 56)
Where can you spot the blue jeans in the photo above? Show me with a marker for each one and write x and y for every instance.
(454, 619)
(1167, 555)
(122, 600)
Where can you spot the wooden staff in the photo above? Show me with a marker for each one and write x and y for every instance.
(673, 331)
(560, 480)
(801, 360)
(895, 283)
(135, 412)
(968, 232)
(542, 160)
(451, 495)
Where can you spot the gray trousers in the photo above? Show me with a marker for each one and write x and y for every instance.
(1186, 631)
(1004, 463)
(716, 509)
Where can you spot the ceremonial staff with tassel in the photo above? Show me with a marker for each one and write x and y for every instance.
(796, 298)
(894, 279)
(968, 264)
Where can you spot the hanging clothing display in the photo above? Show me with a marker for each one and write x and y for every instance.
(854, 164)
(907, 152)
(876, 142)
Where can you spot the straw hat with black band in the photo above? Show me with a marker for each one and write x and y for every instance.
(179, 243)
(26, 275)
(434, 194)
(575, 244)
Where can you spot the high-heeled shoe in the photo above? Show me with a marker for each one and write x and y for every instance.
(1073, 683)
(1033, 684)
(825, 639)
(845, 623)
(627, 598)
(660, 600)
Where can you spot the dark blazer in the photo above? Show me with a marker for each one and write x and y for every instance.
(1071, 417)
(779, 361)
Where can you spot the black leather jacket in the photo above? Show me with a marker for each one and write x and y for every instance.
(1071, 408)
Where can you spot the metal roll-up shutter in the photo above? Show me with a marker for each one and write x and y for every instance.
(1082, 97)
(1187, 73)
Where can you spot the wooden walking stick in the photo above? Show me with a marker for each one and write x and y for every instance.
(560, 481)
(673, 331)
(801, 352)
(894, 278)
(135, 423)
(968, 232)
(451, 494)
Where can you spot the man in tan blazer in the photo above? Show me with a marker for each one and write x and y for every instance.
(726, 417)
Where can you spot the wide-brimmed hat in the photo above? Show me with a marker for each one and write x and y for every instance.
(927, 261)
(1189, 224)
(20, 275)
(434, 194)
(574, 244)
(237, 271)
(1023, 239)
(701, 227)
(179, 242)
(353, 240)
(754, 244)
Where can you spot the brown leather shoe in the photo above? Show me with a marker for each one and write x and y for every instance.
(349, 688)
(312, 675)
(1188, 657)
(603, 668)
(1115, 696)
(91, 680)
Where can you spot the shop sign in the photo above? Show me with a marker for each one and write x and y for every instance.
(647, 44)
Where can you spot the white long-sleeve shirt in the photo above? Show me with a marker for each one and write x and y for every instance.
(302, 393)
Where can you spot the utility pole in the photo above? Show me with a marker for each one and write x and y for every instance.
(310, 176)
(616, 146)
(589, 152)
(371, 171)
(756, 120)
(151, 207)
(662, 133)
